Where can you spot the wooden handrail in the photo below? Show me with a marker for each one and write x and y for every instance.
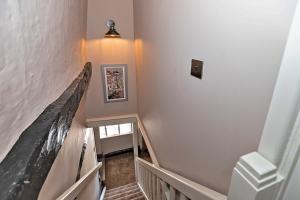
(189, 188)
(147, 141)
(76, 188)
(96, 122)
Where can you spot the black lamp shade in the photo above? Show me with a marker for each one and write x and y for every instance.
(112, 33)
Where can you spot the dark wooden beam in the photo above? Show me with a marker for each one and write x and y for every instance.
(25, 168)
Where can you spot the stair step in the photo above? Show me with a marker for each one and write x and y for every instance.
(127, 192)
(140, 198)
(123, 186)
(128, 197)
(118, 194)
(117, 191)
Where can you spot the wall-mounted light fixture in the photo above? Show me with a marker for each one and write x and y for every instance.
(112, 33)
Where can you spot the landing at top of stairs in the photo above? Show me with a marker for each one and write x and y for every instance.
(126, 192)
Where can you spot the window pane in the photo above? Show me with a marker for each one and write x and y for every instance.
(112, 130)
(125, 128)
(102, 132)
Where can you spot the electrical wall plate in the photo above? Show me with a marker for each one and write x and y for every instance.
(197, 68)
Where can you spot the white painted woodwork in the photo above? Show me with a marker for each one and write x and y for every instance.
(254, 178)
(153, 187)
(103, 192)
(148, 184)
(147, 141)
(290, 166)
(182, 197)
(158, 189)
(143, 191)
(292, 191)
(271, 173)
(135, 146)
(189, 188)
(145, 182)
(290, 82)
(97, 140)
(285, 102)
(103, 170)
(76, 188)
(165, 190)
(172, 193)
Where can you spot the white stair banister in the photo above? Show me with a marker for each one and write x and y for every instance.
(168, 184)
(75, 189)
(172, 193)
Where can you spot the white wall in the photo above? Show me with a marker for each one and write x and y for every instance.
(112, 144)
(199, 128)
(110, 51)
(92, 190)
(42, 51)
(64, 169)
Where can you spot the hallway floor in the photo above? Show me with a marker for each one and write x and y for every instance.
(119, 169)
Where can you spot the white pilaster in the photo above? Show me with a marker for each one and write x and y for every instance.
(254, 178)
(286, 99)
(262, 175)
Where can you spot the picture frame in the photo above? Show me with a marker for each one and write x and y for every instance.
(115, 87)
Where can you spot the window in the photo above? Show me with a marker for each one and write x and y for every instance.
(115, 130)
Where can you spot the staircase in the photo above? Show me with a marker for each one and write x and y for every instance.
(126, 192)
(153, 181)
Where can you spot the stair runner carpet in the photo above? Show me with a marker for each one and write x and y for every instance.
(126, 192)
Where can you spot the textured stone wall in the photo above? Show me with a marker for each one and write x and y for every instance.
(42, 51)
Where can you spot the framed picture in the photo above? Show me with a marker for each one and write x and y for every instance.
(114, 78)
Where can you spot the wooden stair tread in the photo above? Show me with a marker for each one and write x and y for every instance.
(110, 193)
(127, 192)
(123, 186)
(123, 193)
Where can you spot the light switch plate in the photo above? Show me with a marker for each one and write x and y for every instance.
(197, 68)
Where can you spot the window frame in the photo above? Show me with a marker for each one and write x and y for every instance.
(119, 130)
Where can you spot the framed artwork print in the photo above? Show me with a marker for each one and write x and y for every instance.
(114, 78)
